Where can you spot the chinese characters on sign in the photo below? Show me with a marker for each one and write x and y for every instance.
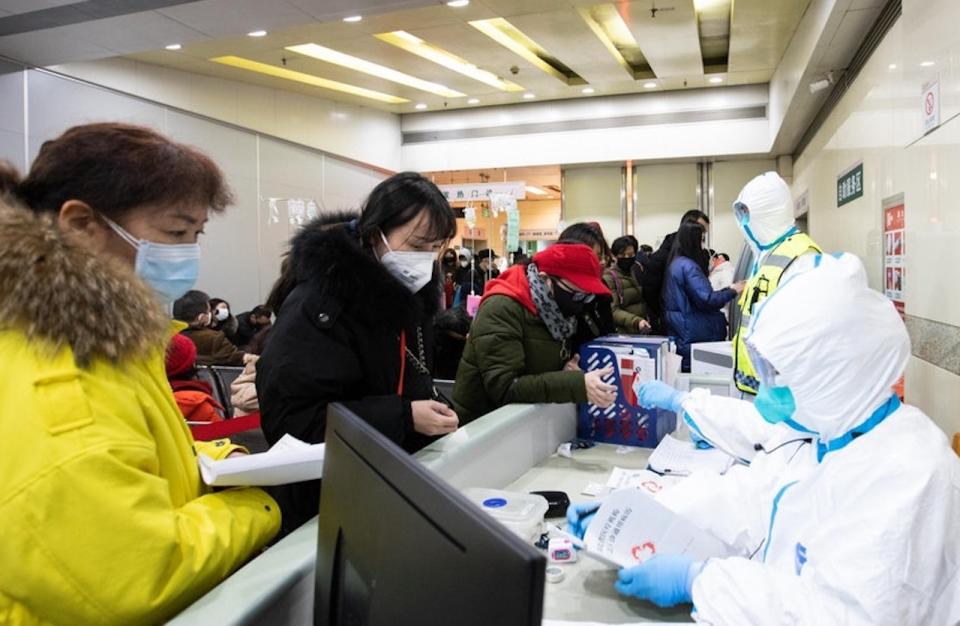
(930, 105)
(850, 185)
(894, 252)
(482, 191)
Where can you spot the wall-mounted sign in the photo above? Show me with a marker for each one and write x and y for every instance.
(894, 256)
(474, 233)
(482, 191)
(930, 105)
(539, 235)
(801, 206)
(850, 185)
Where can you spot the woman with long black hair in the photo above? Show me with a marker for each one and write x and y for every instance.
(357, 325)
(691, 305)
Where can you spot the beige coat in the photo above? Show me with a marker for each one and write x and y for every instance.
(243, 391)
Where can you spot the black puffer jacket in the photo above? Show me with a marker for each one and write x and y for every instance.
(337, 339)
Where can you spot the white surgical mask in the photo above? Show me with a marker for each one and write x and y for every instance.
(412, 268)
(464, 263)
(222, 314)
(171, 269)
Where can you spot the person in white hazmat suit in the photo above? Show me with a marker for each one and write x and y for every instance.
(858, 525)
(764, 212)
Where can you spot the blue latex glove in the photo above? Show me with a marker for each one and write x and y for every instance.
(700, 442)
(666, 579)
(660, 395)
(579, 517)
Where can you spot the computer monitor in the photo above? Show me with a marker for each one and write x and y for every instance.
(399, 546)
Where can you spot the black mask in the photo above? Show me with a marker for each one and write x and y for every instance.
(625, 264)
(449, 260)
(566, 303)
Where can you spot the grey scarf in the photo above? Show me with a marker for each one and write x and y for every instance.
(561, 328)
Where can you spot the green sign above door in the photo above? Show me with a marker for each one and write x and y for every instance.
(850, 185)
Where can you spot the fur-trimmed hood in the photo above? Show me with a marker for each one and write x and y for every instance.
(328, 255)
(57, 291)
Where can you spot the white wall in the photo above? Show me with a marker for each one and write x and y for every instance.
(663, 192)
(592, 194)
(355, 132)
(243, 247)
(879, 122)
(520, 147)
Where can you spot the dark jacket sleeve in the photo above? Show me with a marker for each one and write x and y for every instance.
(498, 343)
(303, 369)
(224, 352)
(699, 291)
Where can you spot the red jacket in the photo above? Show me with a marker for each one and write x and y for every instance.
(512, 283)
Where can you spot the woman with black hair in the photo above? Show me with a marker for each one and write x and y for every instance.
(691, 305)
(356, 326)
(596, 320)
(221, 317)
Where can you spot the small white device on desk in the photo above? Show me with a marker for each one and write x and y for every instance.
(520, 512)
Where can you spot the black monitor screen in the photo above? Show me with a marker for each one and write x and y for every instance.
(397, 545)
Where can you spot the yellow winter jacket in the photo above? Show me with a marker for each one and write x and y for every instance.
(103, 516)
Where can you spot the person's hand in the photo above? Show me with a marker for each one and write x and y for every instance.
(660, 395)
(573, 365)
(236, 453)
(643, 326)
(666, 579)
(433, 418)
(739, 287)
(600, 393)
(579, 517)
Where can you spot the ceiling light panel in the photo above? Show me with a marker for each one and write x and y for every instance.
(307, 79)
(414, 45)
(668, 37)
(357, 64)
(608, 25)
(512, 38)
(713, 25)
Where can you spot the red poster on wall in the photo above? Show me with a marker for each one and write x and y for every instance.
(894, 252)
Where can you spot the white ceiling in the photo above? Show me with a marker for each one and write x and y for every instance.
(760, 30)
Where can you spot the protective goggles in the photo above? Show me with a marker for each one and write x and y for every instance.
(741, 212)
(767, 374)
(577, 296)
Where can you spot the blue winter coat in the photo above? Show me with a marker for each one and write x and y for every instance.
(692, 307)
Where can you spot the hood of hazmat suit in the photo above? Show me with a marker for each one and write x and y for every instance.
(769, 216)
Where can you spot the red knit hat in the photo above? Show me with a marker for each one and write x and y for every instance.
(575, 262)
(181, 355)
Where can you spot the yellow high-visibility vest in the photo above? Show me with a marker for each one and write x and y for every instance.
(763, 283)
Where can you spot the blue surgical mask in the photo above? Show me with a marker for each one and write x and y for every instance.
(775, 404)
(171, 269)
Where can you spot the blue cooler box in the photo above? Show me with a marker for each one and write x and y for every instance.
(625, 422)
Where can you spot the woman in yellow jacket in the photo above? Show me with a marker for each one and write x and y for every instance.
(103, 514)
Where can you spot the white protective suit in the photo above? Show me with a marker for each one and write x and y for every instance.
(846, 529)
(726, 423)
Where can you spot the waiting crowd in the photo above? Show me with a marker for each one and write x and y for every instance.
(99, 247)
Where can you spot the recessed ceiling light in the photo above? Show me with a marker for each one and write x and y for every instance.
(892, 66)
(535, 190)
(353, 18)
(420, 106)
(529, 96)
(650, 85)
(587, 90)
(513, 39)
(307, 79)
(257, 33)
(173, 46)
(473, 101)
(329, 55)
(927, 64)
(456, 4)
(716, 80)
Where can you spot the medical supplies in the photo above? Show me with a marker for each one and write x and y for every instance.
(520, 512)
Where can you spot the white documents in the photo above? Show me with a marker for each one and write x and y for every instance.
(682, 458)
(643, 479)
(288, 461)
(630, 527)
